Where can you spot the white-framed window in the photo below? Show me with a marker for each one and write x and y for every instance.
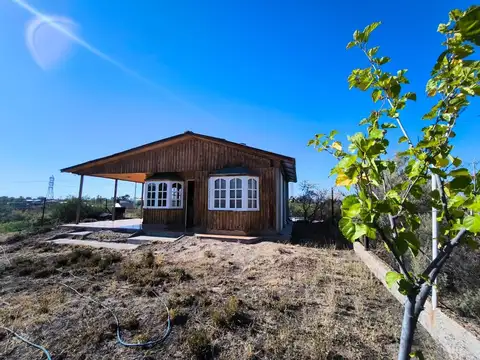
(236, 193)
(163, 194)
(177, 195)
(220, 194)
(252, 194)
(151, 195)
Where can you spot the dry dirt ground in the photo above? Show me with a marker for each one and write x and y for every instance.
(226, 301)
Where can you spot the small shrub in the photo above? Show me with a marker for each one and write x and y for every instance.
(181, 275)
(200, 345)
(230, 315)
(140, 274)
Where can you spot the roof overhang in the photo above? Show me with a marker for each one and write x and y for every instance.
(288, 163)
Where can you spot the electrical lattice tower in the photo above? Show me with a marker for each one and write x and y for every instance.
(51, 182)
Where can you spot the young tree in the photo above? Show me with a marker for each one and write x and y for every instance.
(364, 163)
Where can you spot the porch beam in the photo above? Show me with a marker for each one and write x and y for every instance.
(114, 199)
(79, 200)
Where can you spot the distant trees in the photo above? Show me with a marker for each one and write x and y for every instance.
(311, 204)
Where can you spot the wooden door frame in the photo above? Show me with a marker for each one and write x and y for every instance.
(186, 201)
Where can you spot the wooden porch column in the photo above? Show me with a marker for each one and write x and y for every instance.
(141, 200)
(79, 204)
(114, 199)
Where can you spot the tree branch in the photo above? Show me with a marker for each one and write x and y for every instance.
(434, 269)
(393, 249)
(440, 186)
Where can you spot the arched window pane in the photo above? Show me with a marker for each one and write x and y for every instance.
(252, 194)
(177, 195)
(162, 194)
(235, 193)
(151, 194)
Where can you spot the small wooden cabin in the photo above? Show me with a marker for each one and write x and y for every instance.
(203, 183)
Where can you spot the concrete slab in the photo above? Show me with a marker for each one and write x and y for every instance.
(233, 238)
(126, 225)
(147, 238)
(96, 244)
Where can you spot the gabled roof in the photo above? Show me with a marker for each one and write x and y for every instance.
(288, 163)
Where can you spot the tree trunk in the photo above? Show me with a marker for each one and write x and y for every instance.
(408, 328)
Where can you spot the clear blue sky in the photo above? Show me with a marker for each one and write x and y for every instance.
(270, 74)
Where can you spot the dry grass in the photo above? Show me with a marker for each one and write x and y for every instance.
(226, 301)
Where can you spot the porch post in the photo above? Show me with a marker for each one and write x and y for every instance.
(114, 199)
(79, 201)
(141, 200)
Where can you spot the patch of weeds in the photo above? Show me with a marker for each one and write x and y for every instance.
(131, 323)
(43, 305)
(141, 338)
(86, 258)
(181, 275)
(141, 273)
(200, 345)
(182, 300)
(230, 315)
(178, 316)
(209, 254)
(44, 272)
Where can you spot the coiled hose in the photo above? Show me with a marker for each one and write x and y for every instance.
(119, 337)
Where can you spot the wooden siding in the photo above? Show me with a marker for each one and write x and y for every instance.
(189, 155)
(174, 218)
(249, 222)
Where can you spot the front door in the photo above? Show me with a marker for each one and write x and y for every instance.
(190, 203)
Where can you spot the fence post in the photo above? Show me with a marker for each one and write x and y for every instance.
(434, 243)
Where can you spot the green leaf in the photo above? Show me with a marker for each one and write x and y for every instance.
(369, 28)
(472, 223)
(459, 183)
(351, 44)
(412, 241)
(383, 60)
(411, 96)
(402, 139)
(347, 227)
(351, 206)
(393, 277)
(469, 25)
(388, 126)
(376, 95)
(459, 172)
(337, 146)
(475, 204)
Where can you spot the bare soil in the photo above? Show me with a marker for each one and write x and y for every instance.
(226, 301)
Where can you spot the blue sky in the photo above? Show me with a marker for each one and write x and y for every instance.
(269, 74)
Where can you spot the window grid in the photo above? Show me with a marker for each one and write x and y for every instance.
(163, 195)
(235, 193)
(177, 193)
(252, 196)
(151, 194)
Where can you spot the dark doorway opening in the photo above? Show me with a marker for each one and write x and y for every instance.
(190, 203)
